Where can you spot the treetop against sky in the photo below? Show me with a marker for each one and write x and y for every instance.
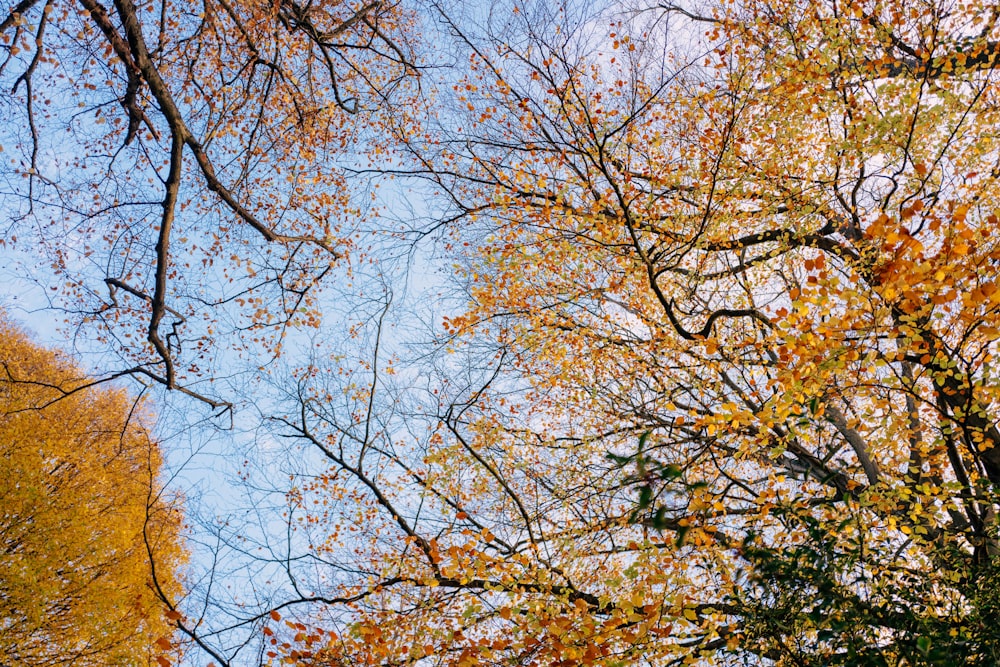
(704, 373)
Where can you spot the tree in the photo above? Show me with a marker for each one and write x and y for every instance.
(82, 514)
(724, 387)
(191, 193)
(760, 280)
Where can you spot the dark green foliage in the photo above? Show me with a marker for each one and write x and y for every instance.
(826, 601)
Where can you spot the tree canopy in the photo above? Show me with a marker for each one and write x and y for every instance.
(179, 168)
(81, 514)
(716, 382)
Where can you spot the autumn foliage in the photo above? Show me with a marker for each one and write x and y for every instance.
(199, 154)
(744, 317)
(80, 516)
(720, 386)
